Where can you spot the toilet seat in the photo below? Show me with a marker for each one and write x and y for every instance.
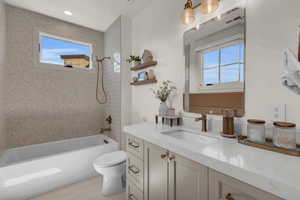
(110, 159)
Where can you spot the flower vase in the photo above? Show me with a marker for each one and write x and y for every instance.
(163, 109)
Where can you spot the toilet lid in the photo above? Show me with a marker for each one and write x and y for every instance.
(110, 159)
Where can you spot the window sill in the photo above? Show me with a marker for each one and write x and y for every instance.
(226, 87)
(58, 67)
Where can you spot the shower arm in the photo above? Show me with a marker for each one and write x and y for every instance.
(102, 59)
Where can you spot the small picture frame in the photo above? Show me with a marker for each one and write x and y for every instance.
(142, 76)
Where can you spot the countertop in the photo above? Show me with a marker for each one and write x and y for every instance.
(272, 172)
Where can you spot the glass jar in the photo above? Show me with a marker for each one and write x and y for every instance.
(256, 130)
(284, 135)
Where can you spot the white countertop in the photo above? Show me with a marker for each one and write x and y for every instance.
(272, 172)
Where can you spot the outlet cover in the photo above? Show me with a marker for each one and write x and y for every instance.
(279, 112)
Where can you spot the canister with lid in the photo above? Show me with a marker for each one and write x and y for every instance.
(256, 130)
(284, 135)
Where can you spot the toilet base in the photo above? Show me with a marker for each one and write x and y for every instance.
(111, 186)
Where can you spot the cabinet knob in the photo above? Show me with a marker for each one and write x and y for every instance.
(229, 197)
(171, 158)
(164, 156)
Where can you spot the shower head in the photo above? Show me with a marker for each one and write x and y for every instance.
(102, 59)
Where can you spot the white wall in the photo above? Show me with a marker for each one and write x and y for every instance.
(158, 29)
(272, 25)
(2, 57)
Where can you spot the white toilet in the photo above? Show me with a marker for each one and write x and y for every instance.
(112, 166)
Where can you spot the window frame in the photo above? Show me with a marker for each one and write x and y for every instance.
(40, 42)
(219, 66)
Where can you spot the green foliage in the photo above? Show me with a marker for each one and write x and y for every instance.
(164, 91)
(133, 59)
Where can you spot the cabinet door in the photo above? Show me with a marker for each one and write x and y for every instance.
(156, 172)
(222, 187)
(187, 180)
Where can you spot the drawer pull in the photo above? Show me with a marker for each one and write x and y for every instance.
(131, 197)
(229, 197)
(133, 169)
(133, 145)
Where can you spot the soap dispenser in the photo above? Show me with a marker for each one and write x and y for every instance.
(228, 124)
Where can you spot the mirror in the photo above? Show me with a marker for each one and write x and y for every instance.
(215, 65)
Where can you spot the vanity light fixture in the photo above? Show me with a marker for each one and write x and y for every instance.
(206, 7)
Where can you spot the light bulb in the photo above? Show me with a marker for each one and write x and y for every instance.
(188, 16)
(67, 12)
(209, 6)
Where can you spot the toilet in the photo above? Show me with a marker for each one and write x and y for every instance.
(112, 166)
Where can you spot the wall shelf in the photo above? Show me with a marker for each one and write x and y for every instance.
(144, 65)
(143, 82)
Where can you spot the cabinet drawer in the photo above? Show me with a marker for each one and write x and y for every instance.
(135, 146)
(135, 170)
(228, 188)
(133, 193)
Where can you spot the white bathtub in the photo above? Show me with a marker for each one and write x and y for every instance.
(28, 171)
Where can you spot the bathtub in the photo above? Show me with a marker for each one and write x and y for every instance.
(29, 171)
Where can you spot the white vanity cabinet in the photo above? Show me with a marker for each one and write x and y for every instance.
(158, 174)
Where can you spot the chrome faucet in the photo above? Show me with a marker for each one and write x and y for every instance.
(204, 122)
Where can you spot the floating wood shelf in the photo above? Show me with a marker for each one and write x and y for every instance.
(144, 82)
(144, 65)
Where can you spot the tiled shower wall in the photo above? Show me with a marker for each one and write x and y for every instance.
(44, 104)
(112, 77)
(2, 57)
(117, 43)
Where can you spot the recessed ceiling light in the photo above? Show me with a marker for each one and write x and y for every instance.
(130, 2)
(67, 12)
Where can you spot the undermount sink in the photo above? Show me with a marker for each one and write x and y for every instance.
(191, 136)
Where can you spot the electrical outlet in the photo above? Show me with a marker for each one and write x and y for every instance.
(279, 113)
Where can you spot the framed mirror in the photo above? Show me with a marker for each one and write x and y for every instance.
(215, 65)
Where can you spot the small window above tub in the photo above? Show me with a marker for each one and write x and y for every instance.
(67, 53)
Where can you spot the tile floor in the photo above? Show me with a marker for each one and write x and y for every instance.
(86, 190)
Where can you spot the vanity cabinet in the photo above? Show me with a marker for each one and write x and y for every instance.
(135, 168)
(156, 167)
(187, 179)
(222, 187)
(169, 176)
(155, 173)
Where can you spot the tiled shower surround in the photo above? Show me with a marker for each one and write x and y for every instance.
(44, 104)
(2, 62)
(112, 77)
